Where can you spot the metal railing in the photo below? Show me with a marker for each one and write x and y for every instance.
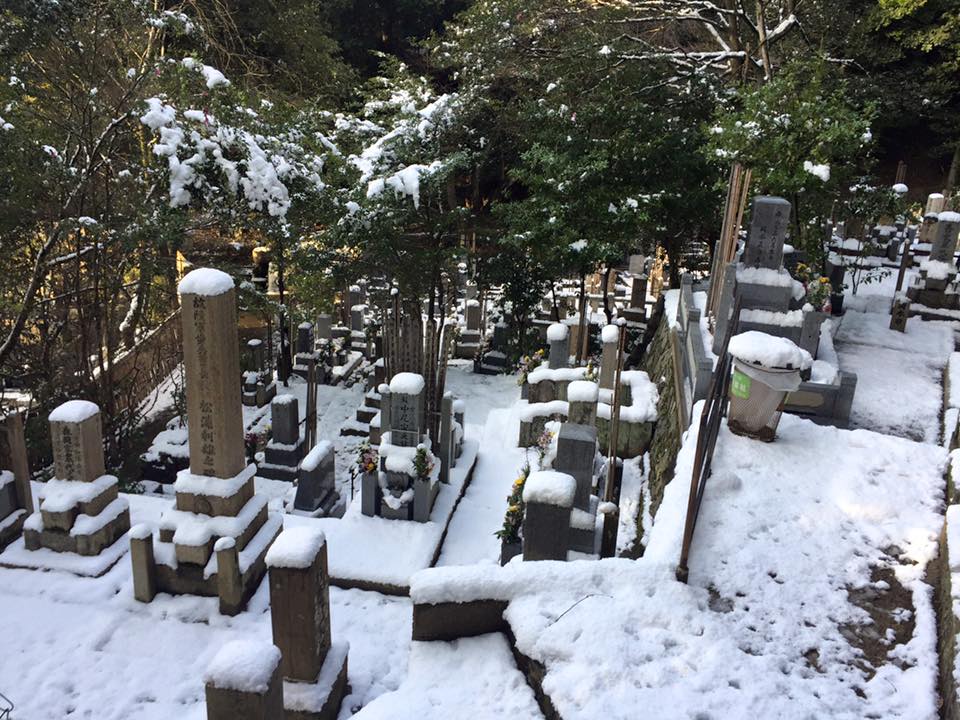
(714, 409)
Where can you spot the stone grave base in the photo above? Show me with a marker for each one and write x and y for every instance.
(583, 528)
(181, 578)
(320, 700)
(633, 438)
(60, 540)
(381, 555)
(16, 555)
(259, 395)
(341, 373)
(532, 429)
(10, 527)
(824, 404)
(493, 363)
(936, 299)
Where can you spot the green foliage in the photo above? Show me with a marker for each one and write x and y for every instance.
(801, 137)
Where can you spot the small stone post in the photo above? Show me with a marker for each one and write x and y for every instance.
(558, 336)
(243, 682)
(473, 315)
(899, 313)
(548, 497)
(610, 342)
(229, 580)
(446, 436)
(300, 601)
(144, 566)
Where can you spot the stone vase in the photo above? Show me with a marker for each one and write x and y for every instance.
(509, 550)
(836, 304)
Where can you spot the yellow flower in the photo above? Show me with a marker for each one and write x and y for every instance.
(823, 281)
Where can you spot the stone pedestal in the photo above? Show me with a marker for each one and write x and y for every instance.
(243, 682)
(313, 668)
(80, 510)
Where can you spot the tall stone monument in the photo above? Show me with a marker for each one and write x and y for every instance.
(80, 510)
(213, 542)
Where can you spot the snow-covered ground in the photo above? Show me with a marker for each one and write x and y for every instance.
(899, 387)
(807, 595)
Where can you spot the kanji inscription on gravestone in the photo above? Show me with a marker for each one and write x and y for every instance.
(212, 363)
(768, 228)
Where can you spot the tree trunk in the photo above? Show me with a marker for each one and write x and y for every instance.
(606, 295)
(954, 168)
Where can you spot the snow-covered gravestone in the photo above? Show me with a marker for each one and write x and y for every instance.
(768, 226)
(558, 337)
(316, 485)
(582, 398)
(285, 448)
(610, 342)
(216, 507)
(80, 510)
(356, 318)
(305, 337)
(548, 497)
(243, 682)
(945, 232)
(473, 315)
(324, 327)
(406, 409)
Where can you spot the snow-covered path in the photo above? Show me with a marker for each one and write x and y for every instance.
(899, 388)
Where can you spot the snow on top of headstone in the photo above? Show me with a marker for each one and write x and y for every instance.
(582, 391)
(764, 276)
(305, 325)
(140, 532)
(473, 303)
(224, 543)
(407, 383)
(354, 288)
(316, 454)
(948, 216)
(296, 547)
(256, 342)
(935, 196)
(205, 281)
(243, 665)
(284, 399)
(937, 269)
(759, 348)
(556, 332)
(900, 188)
(610, 334)
(74, 411)
(549, 487)
(6, 477)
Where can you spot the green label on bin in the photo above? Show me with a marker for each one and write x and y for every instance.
(740, 385)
